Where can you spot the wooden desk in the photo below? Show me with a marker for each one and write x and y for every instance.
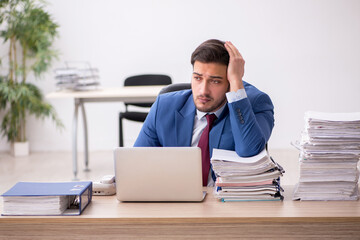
(123, 94)
(106, 218)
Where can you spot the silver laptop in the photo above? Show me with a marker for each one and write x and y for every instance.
(158, 174)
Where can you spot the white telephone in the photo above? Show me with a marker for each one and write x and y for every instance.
(105, 187)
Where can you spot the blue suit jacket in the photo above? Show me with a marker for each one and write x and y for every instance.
(244, 126)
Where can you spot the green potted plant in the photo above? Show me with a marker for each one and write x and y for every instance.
(29, 32)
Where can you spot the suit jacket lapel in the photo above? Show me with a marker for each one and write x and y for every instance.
(184, 123)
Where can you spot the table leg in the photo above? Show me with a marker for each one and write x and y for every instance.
(86, 149)
(74, 143)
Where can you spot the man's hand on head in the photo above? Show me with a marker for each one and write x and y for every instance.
(235, 70)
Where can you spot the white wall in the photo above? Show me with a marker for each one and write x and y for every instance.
(304, 54)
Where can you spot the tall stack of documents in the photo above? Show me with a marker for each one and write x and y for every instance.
(329, 155)
(254, 178)
(77, 76)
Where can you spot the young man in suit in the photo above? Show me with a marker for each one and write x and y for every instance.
(244, 115)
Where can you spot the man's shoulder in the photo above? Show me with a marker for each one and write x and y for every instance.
(178, 101)
(252, 91)
(251, 88)
(257, 97)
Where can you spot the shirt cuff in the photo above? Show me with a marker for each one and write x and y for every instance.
(236, 96)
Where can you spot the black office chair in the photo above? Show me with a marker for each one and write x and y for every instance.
(139, 80)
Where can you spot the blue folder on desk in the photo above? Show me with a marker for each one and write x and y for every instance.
(47, 198)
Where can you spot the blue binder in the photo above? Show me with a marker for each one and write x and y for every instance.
(35, 194)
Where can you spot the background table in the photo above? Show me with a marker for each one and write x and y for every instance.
(106, 218)
(124, 94)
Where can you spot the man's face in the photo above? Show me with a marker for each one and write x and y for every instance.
(209, 85)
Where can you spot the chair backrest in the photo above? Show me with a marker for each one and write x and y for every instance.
(146, 80)
(175, 87)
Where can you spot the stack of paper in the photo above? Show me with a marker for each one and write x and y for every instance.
(78, 78)
(40, 205)
(254, 178)
(330, 150)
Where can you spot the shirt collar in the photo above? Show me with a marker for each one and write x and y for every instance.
(200, 114)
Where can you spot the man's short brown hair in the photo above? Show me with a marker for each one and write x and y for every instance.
(211, 51)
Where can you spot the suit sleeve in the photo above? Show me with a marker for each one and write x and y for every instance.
(148, 136)
(251, 124)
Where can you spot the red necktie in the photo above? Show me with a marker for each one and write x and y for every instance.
(204, 145)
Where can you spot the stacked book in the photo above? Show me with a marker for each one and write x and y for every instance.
(77, 78)
(329, 155)
(254, 178)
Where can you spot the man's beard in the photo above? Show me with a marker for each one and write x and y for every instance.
(211, 108)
